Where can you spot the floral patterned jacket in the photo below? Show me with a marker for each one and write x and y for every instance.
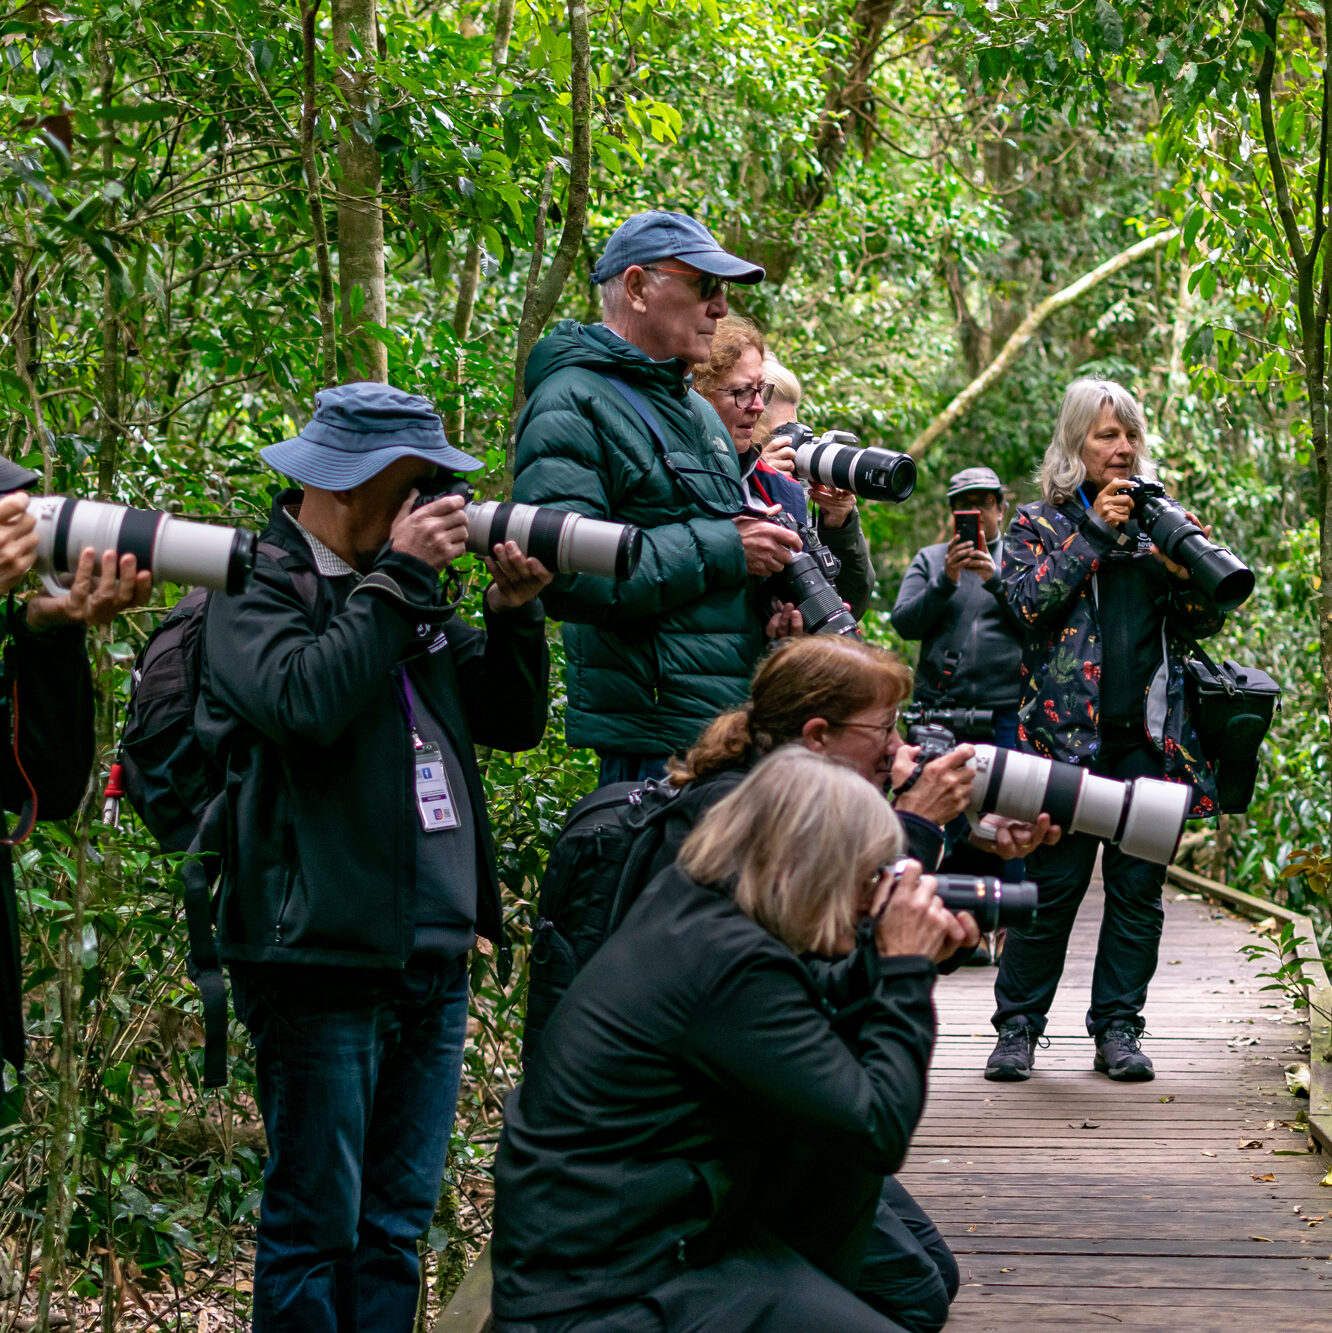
(1051, 556)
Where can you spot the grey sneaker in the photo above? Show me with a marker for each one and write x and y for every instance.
(1013, 1055)
(1119, 1055)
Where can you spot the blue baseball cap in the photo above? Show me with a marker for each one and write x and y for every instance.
(359, 429)
(646, 237)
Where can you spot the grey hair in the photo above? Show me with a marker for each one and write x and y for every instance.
(798, 840)
(785, 386)
(1062, 470)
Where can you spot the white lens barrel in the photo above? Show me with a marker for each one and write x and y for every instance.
(196, 554)
(1155, 821)
(565, 542)
(1100, 807)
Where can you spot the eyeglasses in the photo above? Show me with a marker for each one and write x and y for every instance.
(745, 396)
(886, 730)
(709, 285)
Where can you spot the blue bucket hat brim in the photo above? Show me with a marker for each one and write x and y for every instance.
(14, 477)
(357, 431)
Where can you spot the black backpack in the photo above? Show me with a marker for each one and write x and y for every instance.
(175, 786)
(162, 768)
(595, 873)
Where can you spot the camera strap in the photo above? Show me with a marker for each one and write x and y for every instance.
(679, 472)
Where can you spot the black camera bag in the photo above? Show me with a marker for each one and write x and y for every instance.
(1232, 709)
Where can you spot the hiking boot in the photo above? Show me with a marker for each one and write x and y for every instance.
(1013, 1055)
(1119, 1055)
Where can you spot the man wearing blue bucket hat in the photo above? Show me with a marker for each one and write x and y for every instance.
(613, 430)
(342, 700)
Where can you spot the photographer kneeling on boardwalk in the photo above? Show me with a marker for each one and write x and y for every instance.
(657, 1168)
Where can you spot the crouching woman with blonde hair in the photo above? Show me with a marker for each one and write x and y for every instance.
(655, 1171)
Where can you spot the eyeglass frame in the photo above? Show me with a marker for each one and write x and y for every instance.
(886, 729)
(763, 393)
(709, 287)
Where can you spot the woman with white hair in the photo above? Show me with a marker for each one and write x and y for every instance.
(654, 1172)
(1103, 687)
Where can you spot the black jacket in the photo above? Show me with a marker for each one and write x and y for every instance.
(300, 708)
(690, 1058)
(55, 744)
(971, 642)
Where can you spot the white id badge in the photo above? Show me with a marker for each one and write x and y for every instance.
(434, 800)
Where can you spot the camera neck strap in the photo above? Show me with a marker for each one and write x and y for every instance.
(680, 473)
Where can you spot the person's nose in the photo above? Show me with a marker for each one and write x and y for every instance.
(717, 307)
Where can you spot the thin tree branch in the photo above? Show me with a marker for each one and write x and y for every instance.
(1285, 210)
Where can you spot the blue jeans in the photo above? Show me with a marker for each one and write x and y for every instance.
(358, 1076)
(620, 766)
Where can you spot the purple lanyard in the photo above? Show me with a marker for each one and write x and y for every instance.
(403, 687)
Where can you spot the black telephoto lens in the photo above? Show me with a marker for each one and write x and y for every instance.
(993, 903)
(804, 584)
(1220, 574)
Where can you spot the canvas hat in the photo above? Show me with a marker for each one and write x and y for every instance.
(974, 479)
(646, 237)
(15, 478)
(359, 429)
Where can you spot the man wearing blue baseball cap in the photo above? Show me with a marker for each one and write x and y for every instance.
(342, 700)
(612, 429)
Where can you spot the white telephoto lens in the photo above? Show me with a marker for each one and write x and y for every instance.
(1155, 821)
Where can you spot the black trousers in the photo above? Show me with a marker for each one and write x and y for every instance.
(909, 1273)
(760, 1286)
(1126, 953)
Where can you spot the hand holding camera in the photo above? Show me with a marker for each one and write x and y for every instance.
(434, 532)
(768, 546)
(1114, 505)
(518, 578)
(18, 539)
(912, 920)
(943, 789)
(93, 598)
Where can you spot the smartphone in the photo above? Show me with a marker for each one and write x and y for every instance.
(966, 523)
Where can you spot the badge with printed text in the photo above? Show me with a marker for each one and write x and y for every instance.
(434, 800)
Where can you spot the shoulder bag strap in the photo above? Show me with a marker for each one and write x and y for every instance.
(681, 474)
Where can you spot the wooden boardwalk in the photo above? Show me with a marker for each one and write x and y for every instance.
(1075, 1203)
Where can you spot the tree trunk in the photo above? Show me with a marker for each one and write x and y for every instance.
(1026, 331)
(360, 205)
(470, 276)
(541, 297)
(328, 334)
(108, 447)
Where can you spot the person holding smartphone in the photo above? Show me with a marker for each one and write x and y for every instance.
(952, 600)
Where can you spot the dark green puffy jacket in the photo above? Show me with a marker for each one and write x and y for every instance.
(654, 658)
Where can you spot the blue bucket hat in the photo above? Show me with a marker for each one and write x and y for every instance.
(359, 429)
(15, 478)
(646, 237)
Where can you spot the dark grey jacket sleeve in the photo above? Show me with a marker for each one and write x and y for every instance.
(856, 580)
(924, 594)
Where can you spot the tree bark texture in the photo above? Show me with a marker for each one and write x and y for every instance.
(108, 447)
(360, 203)
(1026, 331)
(541, 301)
(328, 334)
(1313, 288)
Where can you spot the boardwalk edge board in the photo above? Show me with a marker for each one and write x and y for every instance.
(468, 1311)
(1317, 989)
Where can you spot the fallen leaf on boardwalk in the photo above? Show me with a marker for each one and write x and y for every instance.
(1268, 1239)
(1271, 1124)
(1249, 1143)
(972, 1227)
(1207, 1152)
(1291, 1152)
(1327, 1180)
(1171, 1098)
(1297, 1079)
(1314, 1221)
(1268, 1176)
(1086, 1124)
(1174, 962)
(1267, 926)
(1008, 1270)
(1243, 1041)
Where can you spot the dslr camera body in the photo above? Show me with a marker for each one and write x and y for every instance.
(807, 581)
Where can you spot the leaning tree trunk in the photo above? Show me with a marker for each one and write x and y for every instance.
(360, 209)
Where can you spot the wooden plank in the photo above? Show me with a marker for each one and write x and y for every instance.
(469, 1309)
(1145, 1220)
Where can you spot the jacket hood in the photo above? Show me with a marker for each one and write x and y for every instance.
(597, 347)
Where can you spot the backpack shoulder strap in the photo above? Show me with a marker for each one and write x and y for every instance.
(304, 579)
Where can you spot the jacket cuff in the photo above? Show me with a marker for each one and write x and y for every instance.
(942, 584)
(65, 636)
(530, 615)
(845, 535)
(925, 840)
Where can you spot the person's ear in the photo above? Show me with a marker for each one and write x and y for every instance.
(635, 287)
(814, 734)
